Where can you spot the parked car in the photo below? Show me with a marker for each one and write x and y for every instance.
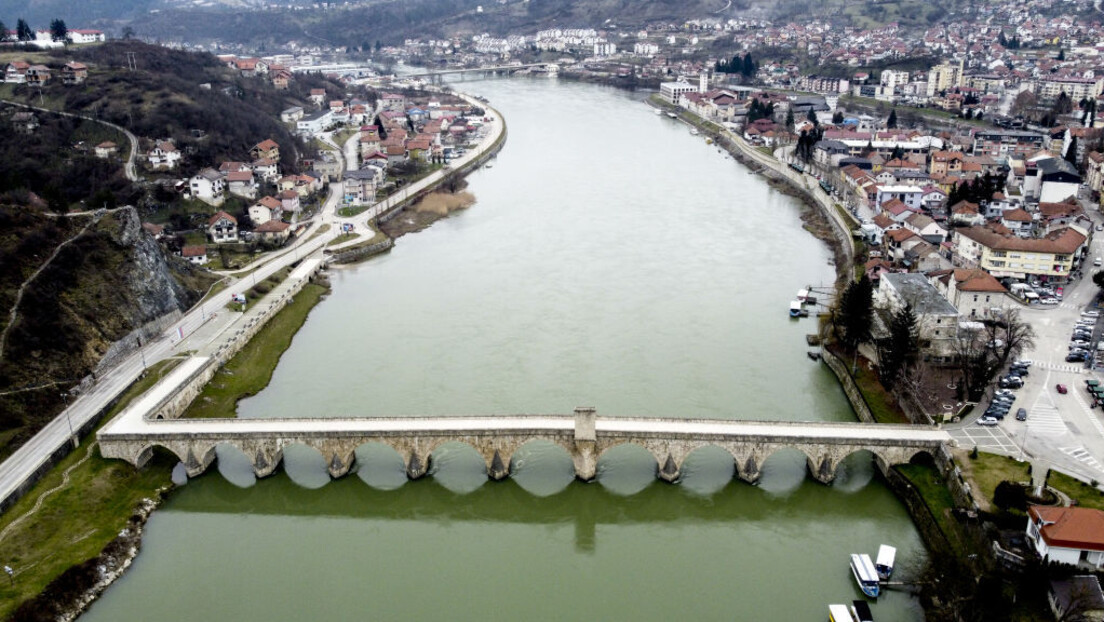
(1023, 363)
(1079, 343)
(1061, 388)
(1092, 314)
(1013, 382)
(1019, 370)
(987, 421)
(1004, 393)
(1004, 401)
(1049, 300)
(1075, 357)
(1021, 414)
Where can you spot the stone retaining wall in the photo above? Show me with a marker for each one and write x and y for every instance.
(850, 389)
(174, 405)
(356, 254)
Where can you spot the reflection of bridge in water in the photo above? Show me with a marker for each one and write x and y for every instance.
(585, 437)
(437, 74)
(584, 507)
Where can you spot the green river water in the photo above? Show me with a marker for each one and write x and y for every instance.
(612, 260)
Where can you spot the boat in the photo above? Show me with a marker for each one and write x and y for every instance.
(884, 564)
(795, 308)
(861, 611)
(865, 575)
(694, 131)
(839, 613)
(672, 115)
(802, 294)
(657, 111)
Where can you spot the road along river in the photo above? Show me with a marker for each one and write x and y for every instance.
(612, 260)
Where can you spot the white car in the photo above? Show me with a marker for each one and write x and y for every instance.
(1092, 314)
(1023, 363)
(1079, 343)
(987, 420)
(1048, 301)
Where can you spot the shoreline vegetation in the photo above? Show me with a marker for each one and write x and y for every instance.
(431, 208)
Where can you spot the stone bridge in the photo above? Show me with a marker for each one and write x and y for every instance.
(584, 436)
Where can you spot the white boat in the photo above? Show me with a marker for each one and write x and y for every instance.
(802, 294)
(795, 308)
(886, 556)
(657, 111)
(865, 575)
(694, 131)
(839, 613)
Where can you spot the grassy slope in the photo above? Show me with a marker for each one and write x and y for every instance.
(930, 485)
(251, 369)
(74, 523)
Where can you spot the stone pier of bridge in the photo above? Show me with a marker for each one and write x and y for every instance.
(582, 435)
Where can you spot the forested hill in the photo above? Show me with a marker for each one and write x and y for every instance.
(209, 111)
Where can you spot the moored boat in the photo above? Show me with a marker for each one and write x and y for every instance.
(795, 308)
(865, 575)
(694, 131)
(657, 111)
(886, 556)
(839, 613)
(672, 115)
(861, 611)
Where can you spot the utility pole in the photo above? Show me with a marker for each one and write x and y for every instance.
(72, 435)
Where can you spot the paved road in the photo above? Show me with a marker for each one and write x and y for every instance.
(1061, 431)
(128, 167)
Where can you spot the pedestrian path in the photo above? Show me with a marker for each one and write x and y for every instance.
(1073, 368)
(1083, 456)
(1044, 420)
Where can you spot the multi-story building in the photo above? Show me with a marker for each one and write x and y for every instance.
(1076, 89)
(944, 76)
(1050, 258)
(936, 319)
(672, 92)
(996, 143)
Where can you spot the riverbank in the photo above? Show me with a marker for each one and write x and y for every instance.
(80, 525)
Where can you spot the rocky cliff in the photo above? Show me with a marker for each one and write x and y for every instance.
(104, 283)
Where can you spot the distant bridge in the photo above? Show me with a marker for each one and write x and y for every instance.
(488, 69)
(585, 437)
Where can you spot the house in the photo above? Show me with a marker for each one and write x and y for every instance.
(1067, 535)
(396, 154)
(164, 155)
(266, 149)
(1003, 255)
(267, 169)
(1094, 174)
(897, 210)
(289, 200)
(313, 124)
(393, 102)
(74, 73)
(912, 196)
(936, 319)
(925, 227)
(974, 292)
(1077, 599)
(360, 185)
(38, 74)
(241, 183)
(1018, 221)
(273, 231)
(268, 208)
(291, 115)
(84, 35)
(195, 254)
(222, 227)
(208, 186)
(106, 149)
(16, 72)
(317, 97)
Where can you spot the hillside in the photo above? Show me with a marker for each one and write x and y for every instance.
(172, 94)
(108, 280)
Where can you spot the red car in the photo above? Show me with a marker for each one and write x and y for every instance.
(1061, 388)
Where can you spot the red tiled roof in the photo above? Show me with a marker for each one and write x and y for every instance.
(219, 216)
(1077, 528)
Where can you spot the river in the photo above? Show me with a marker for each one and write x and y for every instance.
(612, 260)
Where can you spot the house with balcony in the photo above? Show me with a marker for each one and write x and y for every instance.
(208, 186)
(1005, 255)
(222, 228)
(268, 208)
(164, 155)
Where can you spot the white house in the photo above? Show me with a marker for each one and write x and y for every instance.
(912, 196)
(1067, 535)
(936, 319)
(222, 227)
(164, 155)
(268, 208)
(195, 254)
(242, 184)
(208, 186)
(314, 124)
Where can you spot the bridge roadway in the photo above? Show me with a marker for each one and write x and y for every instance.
(442, 72)
(584, 436)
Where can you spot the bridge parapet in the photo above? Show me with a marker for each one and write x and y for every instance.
(583, 435)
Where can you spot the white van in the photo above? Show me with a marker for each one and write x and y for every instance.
(1096, 262)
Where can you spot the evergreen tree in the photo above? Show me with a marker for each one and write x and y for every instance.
(789, 119)
(891, 122)
(23, 31)
(1062, 55)
(3, 31)
(812, 118)
(382, 131)
(1002, 40)
(837, 117)
(748, 66)
(734, 65)
(853, 316)
(58, 30)
(897, 353)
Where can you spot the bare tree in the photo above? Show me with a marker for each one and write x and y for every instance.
(1010, 335)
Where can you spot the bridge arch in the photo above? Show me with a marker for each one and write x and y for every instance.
(305, 464)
